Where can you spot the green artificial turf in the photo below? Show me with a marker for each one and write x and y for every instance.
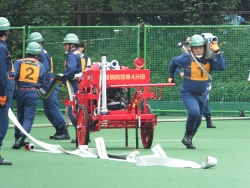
(229, 143)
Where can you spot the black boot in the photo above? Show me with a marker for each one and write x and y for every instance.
(73, 140)
(2, 161)
(19, 142)
(53, 136)
(209, 122)
(187, 140)
(63, 134)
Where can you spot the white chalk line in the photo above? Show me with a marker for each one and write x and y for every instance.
(158, 120)
(155, 140)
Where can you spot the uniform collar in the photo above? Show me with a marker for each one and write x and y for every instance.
(3, 42)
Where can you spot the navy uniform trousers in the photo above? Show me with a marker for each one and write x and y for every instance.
(26, 101)
(195, 106)
(4, 110)
(51, 107)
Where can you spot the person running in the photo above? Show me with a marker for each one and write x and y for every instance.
(194, 86)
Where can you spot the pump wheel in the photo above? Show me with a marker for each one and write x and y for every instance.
(147, 130)
(82, 130)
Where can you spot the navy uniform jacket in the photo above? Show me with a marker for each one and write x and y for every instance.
(73, 65)
(196, 81)
(5, 67)
(44, 58)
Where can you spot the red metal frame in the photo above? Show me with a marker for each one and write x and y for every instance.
(139, 79)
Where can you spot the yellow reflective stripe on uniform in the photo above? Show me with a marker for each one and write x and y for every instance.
(83, 62)
(12, 67)
(197, 73)
(51, 65)
(64, 64)
(29, 71)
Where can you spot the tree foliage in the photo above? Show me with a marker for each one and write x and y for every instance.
(64, 12)
(39, 12)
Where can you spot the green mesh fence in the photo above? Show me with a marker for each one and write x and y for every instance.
(120, 43)
(230, 88)
(16, 42)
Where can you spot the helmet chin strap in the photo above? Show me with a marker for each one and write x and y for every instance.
(6, 34)
(199, 56)
(70, 47)
(37, 56)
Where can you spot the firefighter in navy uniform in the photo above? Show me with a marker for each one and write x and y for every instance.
(193, 89)
(207, 113)
(6, 83)
(30, 74)
(51, 106)
(86, 63)
(72, 66)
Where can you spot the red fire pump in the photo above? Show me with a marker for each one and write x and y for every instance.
(105, 101)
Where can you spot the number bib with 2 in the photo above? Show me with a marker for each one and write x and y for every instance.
(29, 72)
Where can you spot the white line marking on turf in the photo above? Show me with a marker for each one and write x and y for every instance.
(206, 140)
